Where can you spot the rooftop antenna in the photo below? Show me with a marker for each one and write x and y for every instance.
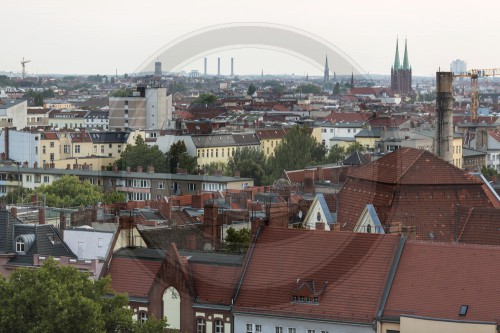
(23, 63)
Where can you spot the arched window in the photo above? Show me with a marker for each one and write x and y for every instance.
(218, 326)
(143, 316)
(369, 228)
(19, 244)
(200, 325)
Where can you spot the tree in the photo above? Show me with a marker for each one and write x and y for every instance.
(237, 241)
(121, 93)
(355, 146)
(489, 171)
(336, 89)
(250, 162)
(57, 298)
(336, 154)
(143, 155)
(178, 157)
(19, 195)
(251, 89)
(297, 150)
(212, 168)
(69, 191)
(309, 89)
(208, 99)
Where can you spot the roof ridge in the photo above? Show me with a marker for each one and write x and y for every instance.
(465, 224)
(409, 167)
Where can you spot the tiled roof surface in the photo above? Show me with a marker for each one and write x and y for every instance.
(352, 266)
(274, 133)
(215, 284)
(478, 225)
(435, 279)
(133, 276)
(335, 117)
(415, 167)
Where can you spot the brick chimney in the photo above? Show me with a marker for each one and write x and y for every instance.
(320, 226)
(13, 211)
(197, 201)
(165, 207)
(151, 169)
(114, 168)
(127, 169)
(211, 228)
(41, 215)
(277, 215)
(139, 168)
(191, 242)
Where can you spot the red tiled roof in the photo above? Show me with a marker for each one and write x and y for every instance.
(413, 188)
(435, 279)
(413, 166)
(336, 117)
(215, 284)
(275, 133)
(50, 136)
(133, 276)
(478, 225)
(352, 266)
(494, 134)
(388, 121)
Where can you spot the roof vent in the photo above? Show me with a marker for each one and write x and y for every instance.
(463, 310)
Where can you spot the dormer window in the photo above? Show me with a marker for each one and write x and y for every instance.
(307, 293)
(23, 243)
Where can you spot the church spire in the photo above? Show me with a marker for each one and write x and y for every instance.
(406, 64)
(397, 64)
(326, 76)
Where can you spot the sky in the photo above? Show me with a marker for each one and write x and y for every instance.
(108, 36)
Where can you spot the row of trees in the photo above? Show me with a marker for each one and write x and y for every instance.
(68, 191)
(297, 150)
(143, 155)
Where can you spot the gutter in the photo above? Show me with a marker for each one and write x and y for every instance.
(390, 278)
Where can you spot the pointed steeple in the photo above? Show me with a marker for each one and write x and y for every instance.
(406, 64)
(326, 76)
(397, 64)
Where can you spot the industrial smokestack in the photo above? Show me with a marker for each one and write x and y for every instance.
(232, 66)
(218, 66)
(205, 69)
(443, 141)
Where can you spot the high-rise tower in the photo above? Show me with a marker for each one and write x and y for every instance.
(326, 75)
(401, 74)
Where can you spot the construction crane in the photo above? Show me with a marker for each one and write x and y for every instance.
(23, 63)
(474, 75)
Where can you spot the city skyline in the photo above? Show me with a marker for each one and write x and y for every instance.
(100, 38)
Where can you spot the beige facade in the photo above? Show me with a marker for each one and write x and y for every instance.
(411, 324)
(127, 112)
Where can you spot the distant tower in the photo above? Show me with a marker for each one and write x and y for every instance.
(262, 75)
(352, 80)
(218, 66)
(401, 76)
(157, 68)
(232, 66)
(458, 66)
(326, 75)
(443, 140)
(205, 69)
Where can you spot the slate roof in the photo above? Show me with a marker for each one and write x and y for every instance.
(435, 279)
(356, 158)
(48, 242)
(351, 267)
(108, 137)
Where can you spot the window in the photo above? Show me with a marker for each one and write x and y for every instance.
(369, 228)
(52, 156)
(200, 325)
(28, 178)
(219, 326)
(46, 179)
(311, 331)
(52, 145)
(191, 186)
(249, 328)
(258, 328)
(143, 316)
(160, 185)
(324, 331)
(292, 330)
(44, 150)
(66, 149)
(216, 152)
(102, 149)
(279, 329)
(77, 149)
(19, 244)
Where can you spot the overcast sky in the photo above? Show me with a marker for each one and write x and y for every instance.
(101, 36)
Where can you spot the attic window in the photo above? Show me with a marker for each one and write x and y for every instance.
(463, 310)
(53, 239)
(19, 245)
